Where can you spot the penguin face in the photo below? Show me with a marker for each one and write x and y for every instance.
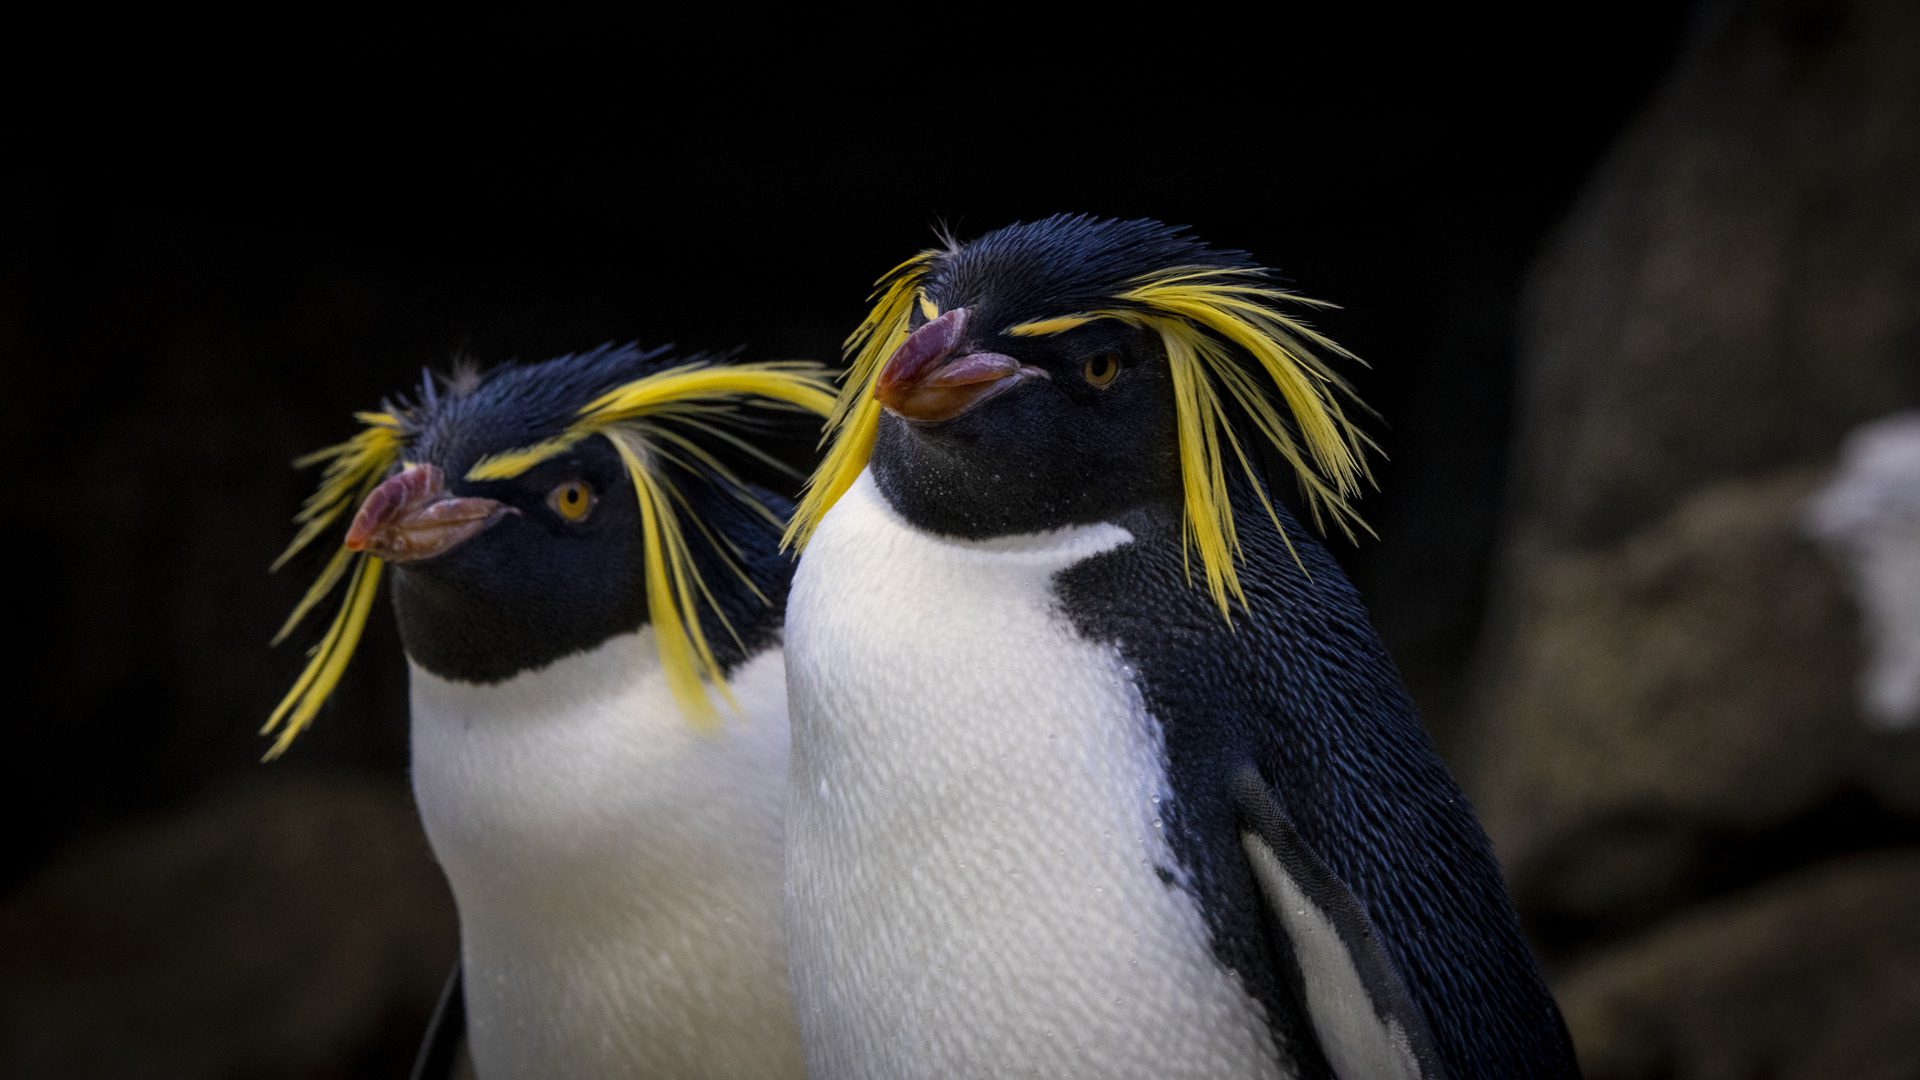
(1006, 410)
(548, 564)
(1063, 429)
(497, 576)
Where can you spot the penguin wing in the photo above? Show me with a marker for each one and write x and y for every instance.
(1359, 1007)
(440, 1049)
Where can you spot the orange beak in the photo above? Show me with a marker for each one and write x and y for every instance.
(931, 378)
(410, 517)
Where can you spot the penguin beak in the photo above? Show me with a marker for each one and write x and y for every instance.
(931, 378)
(410, 517)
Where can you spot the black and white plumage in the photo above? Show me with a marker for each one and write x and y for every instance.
(590, 599)
(1099, 769)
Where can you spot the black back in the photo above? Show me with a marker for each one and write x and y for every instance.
(1302, 685)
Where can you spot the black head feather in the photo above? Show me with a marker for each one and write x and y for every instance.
(1063, 264)
(516, 404)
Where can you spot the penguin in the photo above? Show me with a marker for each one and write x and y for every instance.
(1098, 767)
(589, 592)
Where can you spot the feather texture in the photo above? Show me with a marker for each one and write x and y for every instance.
(353, 468)
(1230, 343)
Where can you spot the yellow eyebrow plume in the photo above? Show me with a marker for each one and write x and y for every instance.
(1059, 324)
(1209, 319)
(676, 392)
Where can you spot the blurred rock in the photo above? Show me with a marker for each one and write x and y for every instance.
(1817, 975)
(1681, 694)
(1868, 517)
(1664, 707)
(1735, 290)
(296, 928)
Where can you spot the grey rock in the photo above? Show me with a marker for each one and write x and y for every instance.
(1678, 693)
(1814, 975)
(1736, 289)
(1664, 700)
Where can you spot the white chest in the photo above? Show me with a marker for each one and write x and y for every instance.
(974, 826)
(616, 870)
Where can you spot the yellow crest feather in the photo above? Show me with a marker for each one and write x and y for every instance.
(353, 469)
(856, 415)
(1207, 318)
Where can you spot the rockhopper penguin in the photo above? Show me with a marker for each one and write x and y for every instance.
(590, 597)
(1099, 769)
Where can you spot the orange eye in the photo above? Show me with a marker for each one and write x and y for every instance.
(572, 500)
(1101, 370)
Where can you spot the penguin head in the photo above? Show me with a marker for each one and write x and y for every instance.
(497, 573)
(539, 510)
(1004, 412)
(1063, 371)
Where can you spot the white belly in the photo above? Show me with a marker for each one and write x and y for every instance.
(974, 826)
(616, 870)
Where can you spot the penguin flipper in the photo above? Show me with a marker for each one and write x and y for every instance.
(440, 1048)
(1367, 1023)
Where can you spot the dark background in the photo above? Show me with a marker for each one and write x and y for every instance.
(210, 281)
(227, 249)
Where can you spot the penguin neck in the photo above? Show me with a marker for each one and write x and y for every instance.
(600, 846)
(579, 786)
(941, 483)
(568, 783)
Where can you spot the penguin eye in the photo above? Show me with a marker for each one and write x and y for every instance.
(572, 500)
(1102, 370)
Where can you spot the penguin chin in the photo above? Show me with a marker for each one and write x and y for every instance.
(1013, 467)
